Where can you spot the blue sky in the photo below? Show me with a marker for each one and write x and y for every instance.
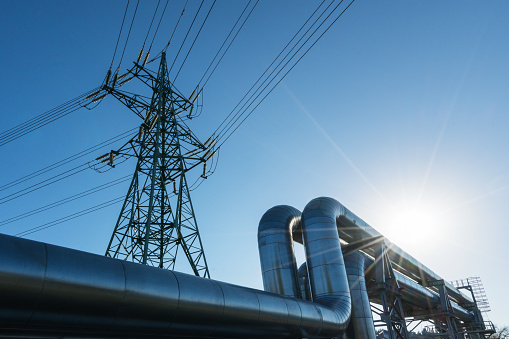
(399, 112)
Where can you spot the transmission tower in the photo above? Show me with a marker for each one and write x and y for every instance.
(157, 219)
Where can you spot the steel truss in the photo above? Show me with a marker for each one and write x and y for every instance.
(157, 218)
(391, 314)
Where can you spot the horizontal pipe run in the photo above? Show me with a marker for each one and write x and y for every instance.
(55, 291)
(352, 228)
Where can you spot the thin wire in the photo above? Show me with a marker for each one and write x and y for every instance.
(64, 201)
(174, 30)
(47, 182)
(128, 34)
(70, 217)
(266, 70)
(66, 160)
(119, 33)
(334, 21)
(192, 45)
(227, 48)
(43, 119)
(159, 24)
(185, 38)
(250, 101)
(151, 22)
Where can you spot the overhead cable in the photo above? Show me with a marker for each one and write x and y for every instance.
(128, 34)
(119, 33)
(45, 118)
(67, 160)
(225, 121)
(157, 29)
(196, 37)
(64, 201)
(224, 42)
(226, 136)
(185, 38)
(70, 217)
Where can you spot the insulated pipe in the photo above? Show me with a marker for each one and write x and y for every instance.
(417, 295)
(275, 245)
(47, 290)
(361, 324)
(305, 290)
(352, 228)
(326, 268)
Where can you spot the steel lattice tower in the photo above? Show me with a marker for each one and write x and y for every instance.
(157, 218)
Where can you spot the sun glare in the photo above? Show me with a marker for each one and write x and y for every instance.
(413, 224)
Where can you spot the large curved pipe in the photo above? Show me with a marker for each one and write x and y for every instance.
(275, 245)
(48, 290)
(361, 324)
(326, 268)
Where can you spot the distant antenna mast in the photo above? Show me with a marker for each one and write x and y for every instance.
(157, 218)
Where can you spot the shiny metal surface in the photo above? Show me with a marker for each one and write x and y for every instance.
(275, 245)
(415, 296)
(305, 290)
(48, 290)
(361, 324)
(352, 228)
(326, 268)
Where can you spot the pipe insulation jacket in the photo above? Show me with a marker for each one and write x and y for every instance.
(50, 290)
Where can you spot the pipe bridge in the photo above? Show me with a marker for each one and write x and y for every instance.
(350, 272)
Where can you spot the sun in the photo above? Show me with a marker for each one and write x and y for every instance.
(413, 224)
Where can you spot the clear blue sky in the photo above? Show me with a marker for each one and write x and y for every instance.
(400, 112)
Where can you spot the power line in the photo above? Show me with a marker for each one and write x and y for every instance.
(321, 35)
(66, 160)
(70, 217)
(192, 45)
(64, 201)
(151, 22)
(44, 183)
(45, 118)
(157, 29)
(119, 33)
(224, 42)
(185, 38)
(128, 34)
(267, 69)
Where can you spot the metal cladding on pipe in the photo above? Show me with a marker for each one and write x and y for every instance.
(305, 290)
(417, 295)
(361, 324)
(326, 268)
(352, 228)
(48, 290)
(275, 245)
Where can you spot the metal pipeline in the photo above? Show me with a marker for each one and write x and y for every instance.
(279, 267)
(327, 274)
(50, 290)
(305, 290)
(326, 268)
(333, 213)
(418, 296)
(352, 228)
(361, 324)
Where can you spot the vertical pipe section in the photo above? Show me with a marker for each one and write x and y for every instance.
(305, 290)
(326, 268)
(361, 324)
(275, 245)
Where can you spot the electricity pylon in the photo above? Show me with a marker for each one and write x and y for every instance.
(157, 218)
